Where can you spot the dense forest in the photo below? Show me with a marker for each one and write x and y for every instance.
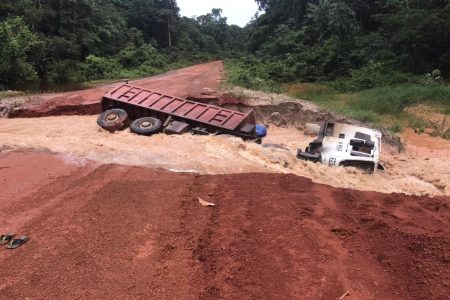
(369, 43)
(357, 43)
(69, 41)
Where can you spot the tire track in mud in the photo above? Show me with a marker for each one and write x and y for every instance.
(400, 237)
(245, 267)
(46, 221)
(123, 232)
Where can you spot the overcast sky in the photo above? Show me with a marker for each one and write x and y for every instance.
(238, 12)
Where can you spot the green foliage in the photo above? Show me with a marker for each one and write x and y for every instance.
(364, 44)
(396, 128)
(64, 41)
(371, 76)
(446, 134)
(447, 110)
(330, 18)
(132, 57)
(375, 105)
(100, 67)
(417, 124)
(251, 74)
(392, 100)
(433, 78)
(366, 116)
(66, 70)
(17, 44)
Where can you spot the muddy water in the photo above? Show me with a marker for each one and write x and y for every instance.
(78, 138)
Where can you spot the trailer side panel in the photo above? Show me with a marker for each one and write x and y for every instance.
(174, 106)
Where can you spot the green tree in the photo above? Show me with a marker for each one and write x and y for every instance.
(17, 45)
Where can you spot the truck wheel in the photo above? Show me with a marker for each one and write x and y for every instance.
(146, 126)
(113, 120)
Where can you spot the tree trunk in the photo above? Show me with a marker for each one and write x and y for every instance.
(168, 32)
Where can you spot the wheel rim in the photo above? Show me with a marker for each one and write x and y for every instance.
(145, 125)
(112, 117)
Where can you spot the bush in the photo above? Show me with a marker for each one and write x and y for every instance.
(65, 71)
(396, 128)
(101, 67)
(433, 78)
(18, 45)
(373, 76)
(251, 74)
(132, 57)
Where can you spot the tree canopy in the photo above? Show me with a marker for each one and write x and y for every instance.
(326, 39)
(294, 40)
(68, 40)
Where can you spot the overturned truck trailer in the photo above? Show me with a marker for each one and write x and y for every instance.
(149, 112)
(339, 144)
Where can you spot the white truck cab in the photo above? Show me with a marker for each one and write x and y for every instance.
(341, 144)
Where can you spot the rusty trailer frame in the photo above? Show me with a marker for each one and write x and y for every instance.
(202, 118)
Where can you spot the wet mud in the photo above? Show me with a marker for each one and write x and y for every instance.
(411, 172)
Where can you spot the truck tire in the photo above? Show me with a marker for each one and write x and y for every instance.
(146, 126)
(113, 120)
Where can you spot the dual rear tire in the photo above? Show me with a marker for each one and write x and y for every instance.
(146, 126)
(113, 120)
(117, 119)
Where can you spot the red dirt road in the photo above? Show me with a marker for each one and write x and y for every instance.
(116, 232)
(199, 81)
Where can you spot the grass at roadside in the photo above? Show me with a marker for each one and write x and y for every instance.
(387, 107)
(383, 106)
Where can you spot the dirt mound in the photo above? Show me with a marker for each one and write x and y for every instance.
(113, 231)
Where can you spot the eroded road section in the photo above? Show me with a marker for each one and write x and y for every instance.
(412, 172)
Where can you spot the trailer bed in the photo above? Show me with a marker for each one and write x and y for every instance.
(187, 110)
